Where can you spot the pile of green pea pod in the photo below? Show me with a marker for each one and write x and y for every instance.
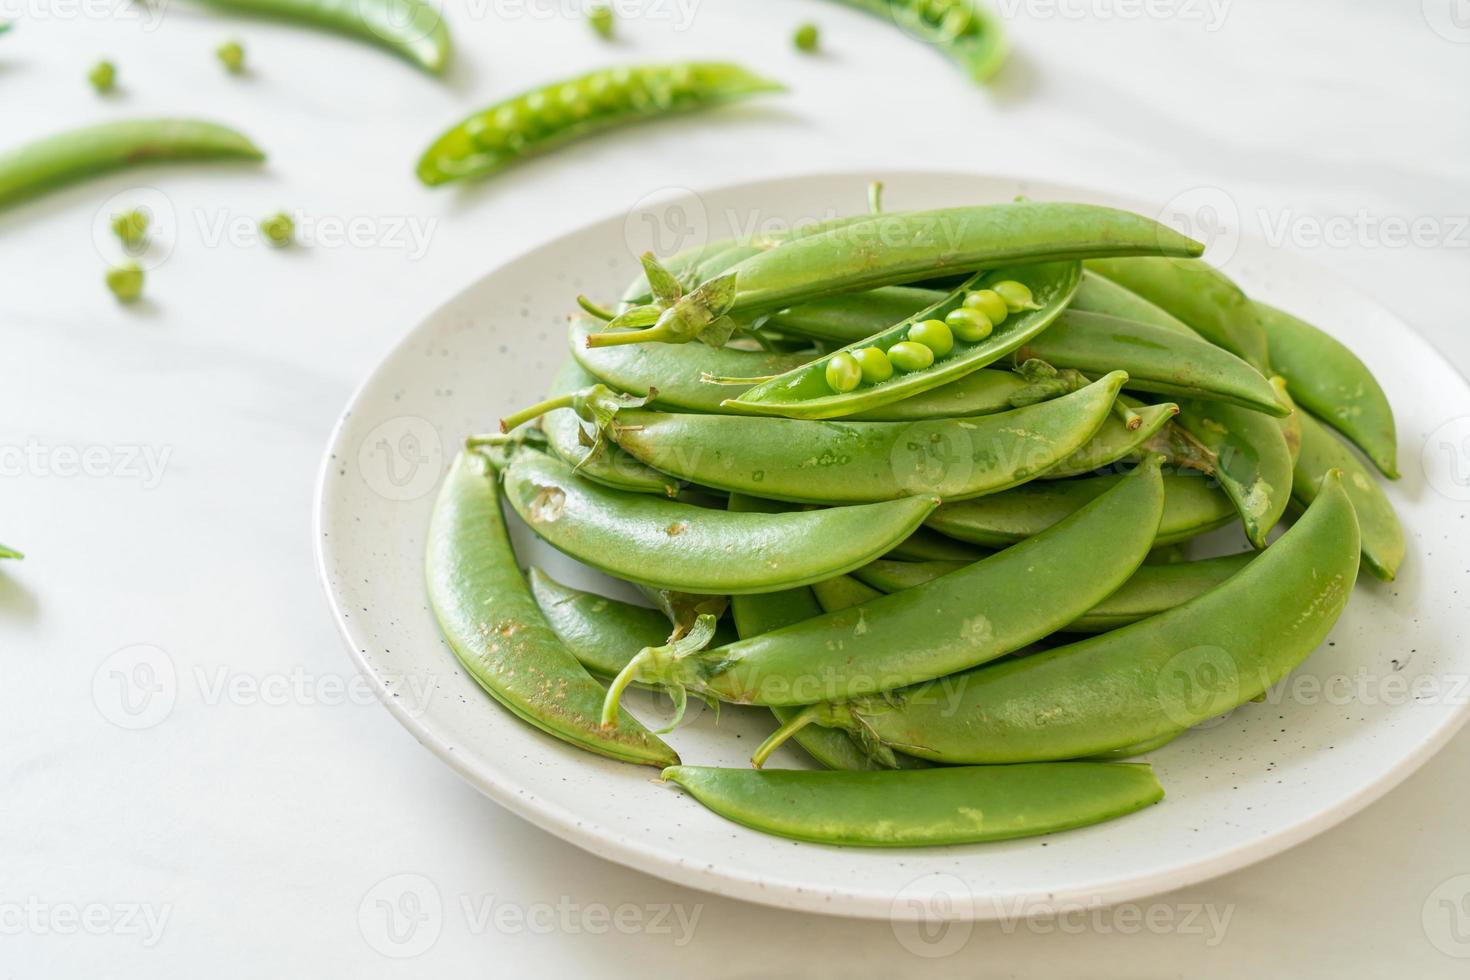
(922, 484)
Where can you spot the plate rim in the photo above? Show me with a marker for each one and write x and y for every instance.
(734, 882)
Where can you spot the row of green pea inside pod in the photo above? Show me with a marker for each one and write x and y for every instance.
(927, 578)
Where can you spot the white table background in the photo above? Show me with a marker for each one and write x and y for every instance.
(259, 816)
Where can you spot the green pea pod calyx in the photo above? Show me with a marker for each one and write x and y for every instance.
(952, 805)
(494, 627)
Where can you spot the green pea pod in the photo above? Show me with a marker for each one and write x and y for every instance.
(1157, 360)
(1098, 295)
(894, 249)
(1131, 751)
(1291, 425)
(6, 552)
(1321, 452)
(674, 545)
(68, 157)
(960, 29)
(1198, 294)
(850, 317)
(804, 392)
(1191, 507)
(956, 805)
(1114, 441)
(981, 392)
(495, 628)
(1151, 590)
(842, 592)
(837, 461)
(927, 545)
(763, 612)
(986, 610)
(1141, 682)
(411, 29)
(1252, 461)
(548, 116)
(1328, 380)
(605, 464)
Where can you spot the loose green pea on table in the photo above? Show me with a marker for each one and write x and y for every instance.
(883, 491)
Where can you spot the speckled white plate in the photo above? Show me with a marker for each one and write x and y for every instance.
(1387, 689)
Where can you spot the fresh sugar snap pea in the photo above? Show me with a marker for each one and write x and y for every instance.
(838, 461)
(1098, 295)
(1252, 461)
(608, 465)
(6, 552)
(1141, 682)
(1291, 425)
(1328, 380)
(986, 610)
(546, 117)
(980, 392)
(1383, 535)
(1192, 507)
(960, 29)
(669, 544)
(498, 633)
(1114, 441)
(804, 392)
(68, 157)
(895, 249)
(411, 29)
(766, 611)
(1157, 360)
(1200, 295)
(954, 805)
(1153, 589)
(928, 545)
(842, 592)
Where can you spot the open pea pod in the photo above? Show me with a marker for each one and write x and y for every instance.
(1192, 506)
(494, 627)
(1151, 590)
(894, 249)
(804, 392)
(1139, 683)
(1328, 380)
(986, 610)
(605, 463)
(959, 29)
(952, 805)
(1252, 461)
(1157, 360)
(1198, 294)
(1322, 452)
(840, 461)
(669, 544)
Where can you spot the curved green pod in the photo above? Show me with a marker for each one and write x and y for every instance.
(981, 392)
(1143, 681)
(1098, 295)
(1191, 507)
(1157, 360)
(986, 610)
(1115, 441)
(804, 392)
(1132, 751)
(67, 157)
(894, 249)
(548, 116)
(1198, 294)
(1322, 452)
(1252, 461)
(953, 805)
(494, 627)
(673, 545)
(608, 465)
(927, 545)
(1328, 380)
(838, 461)
(411, 29)
(7, 552)
(842, 592)
(1149, 591)
(960, 29)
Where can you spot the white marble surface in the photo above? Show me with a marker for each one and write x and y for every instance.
(158, 466)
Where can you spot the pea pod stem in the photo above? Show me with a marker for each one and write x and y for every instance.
(790, 727)
(598, 311)
(517, 419)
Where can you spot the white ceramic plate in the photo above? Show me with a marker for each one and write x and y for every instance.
(1370, 706)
